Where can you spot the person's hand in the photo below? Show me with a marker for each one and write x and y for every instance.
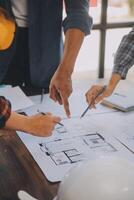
(61, 89)
(41, 125)
(93, 91)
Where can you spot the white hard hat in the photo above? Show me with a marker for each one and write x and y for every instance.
(106, 178)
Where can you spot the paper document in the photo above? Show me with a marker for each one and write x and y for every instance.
(78, 141)
(122, 98)
(77, 104)
(126, 134)
(17, 97)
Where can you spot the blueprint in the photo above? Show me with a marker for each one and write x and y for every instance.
(126, 135)
(78, 141)
(101, 132)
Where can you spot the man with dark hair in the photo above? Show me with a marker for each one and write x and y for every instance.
(37, 57)
(40, 125)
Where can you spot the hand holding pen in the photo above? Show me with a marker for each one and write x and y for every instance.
(56, 121)
(93, 98)
(60, 89)
(115, 78)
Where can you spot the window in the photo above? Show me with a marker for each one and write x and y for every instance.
(120, 11)
(89, 53)
(113, 39)
(112, 19)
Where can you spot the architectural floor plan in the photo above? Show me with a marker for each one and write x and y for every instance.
(77, 141)
(75, 149)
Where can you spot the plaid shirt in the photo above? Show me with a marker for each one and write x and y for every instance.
(124, 58)
(5, 111)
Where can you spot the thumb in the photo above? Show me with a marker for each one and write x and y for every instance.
(66, 106)
(99, 98)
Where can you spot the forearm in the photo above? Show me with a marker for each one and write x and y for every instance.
(73, 41)
(76, 25)
(17, 122)
(115, 78)
(124, 57)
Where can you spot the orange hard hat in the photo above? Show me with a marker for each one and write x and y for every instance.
(7, 30)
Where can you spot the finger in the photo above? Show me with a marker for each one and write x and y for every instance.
(92, 106)
(58, 97)
(48, 113)
(52, 91)
(55, 95)
(38, 115)
(49, 133)
(101, 96)
(63, 94)
(56, 119)
(66, 107)
(52, 127)
(94, 90)
(66, 104)
(89, 98)
(99, 99)
(96, 101)
(92, 95)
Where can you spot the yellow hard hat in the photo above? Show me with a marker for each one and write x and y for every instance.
(7, 30)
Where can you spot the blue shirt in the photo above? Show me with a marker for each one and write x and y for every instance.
(45, 34)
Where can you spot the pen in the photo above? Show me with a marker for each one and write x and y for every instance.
(100, 91)
(42, 95)
(56, 122)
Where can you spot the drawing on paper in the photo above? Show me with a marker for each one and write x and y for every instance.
(75, 149)
(60, 129)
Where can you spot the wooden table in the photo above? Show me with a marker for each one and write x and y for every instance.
(19, 171)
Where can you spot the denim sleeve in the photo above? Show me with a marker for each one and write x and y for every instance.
(124, 58)
(77, 16)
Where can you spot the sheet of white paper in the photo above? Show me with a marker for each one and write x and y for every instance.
(77, 104)
(22, 195)
(17, 97)
(78, 141)
(120, 125)
(126, 135)
(122, 97)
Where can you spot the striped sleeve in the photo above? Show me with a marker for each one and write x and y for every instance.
(124, 58)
